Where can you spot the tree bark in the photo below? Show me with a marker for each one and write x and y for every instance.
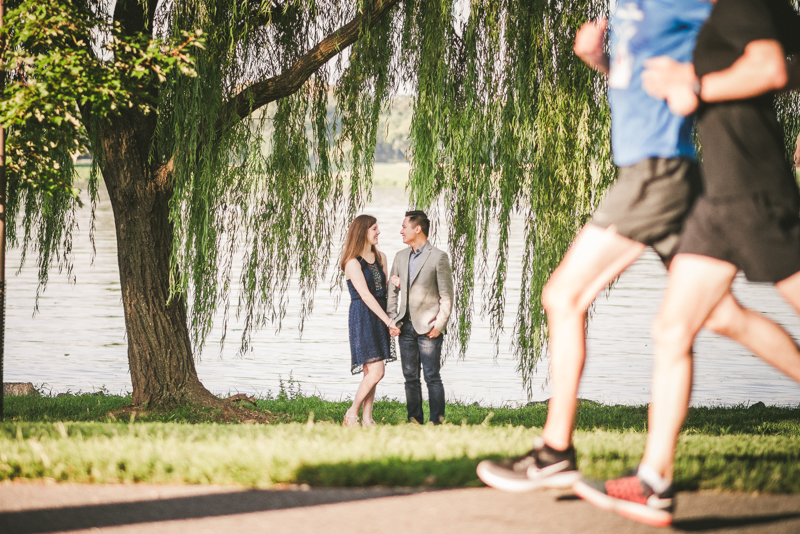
(159, 348)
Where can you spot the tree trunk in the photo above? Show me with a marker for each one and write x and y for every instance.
(159, 349)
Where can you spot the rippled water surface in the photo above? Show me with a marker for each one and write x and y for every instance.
(77, 339)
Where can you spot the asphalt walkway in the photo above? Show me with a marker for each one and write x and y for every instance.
(39, 508)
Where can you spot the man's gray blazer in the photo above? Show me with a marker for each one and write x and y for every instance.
(429, 294)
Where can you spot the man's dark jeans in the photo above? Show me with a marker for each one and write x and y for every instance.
(416, 349)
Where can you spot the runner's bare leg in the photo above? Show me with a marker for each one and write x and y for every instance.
(696, 285)
(789, 288)
(596, 257)
(763, 337)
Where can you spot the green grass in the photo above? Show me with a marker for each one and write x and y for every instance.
(70, 438)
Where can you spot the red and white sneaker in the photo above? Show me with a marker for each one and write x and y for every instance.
(629, 497)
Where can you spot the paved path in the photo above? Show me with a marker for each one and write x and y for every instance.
(38, 508)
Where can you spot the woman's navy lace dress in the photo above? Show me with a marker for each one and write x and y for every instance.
(369, 337)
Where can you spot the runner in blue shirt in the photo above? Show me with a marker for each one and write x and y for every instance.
(747, 219)
(657, 183)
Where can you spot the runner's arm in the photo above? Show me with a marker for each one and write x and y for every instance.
(761, 69)
(589, 45)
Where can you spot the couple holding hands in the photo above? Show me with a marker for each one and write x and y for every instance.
(412, 303)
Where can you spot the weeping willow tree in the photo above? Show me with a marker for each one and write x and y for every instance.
(507, 121)
(190, 186)
(51, 64)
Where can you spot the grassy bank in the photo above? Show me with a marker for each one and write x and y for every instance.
(70, 438)
(293, 406)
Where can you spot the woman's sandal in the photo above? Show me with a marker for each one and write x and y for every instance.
(350, 420)
(367, 422)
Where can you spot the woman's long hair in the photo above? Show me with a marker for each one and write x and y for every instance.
(357, 238)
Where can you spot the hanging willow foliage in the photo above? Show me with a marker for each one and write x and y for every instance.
(507, 121)
(279, 199)
(51, 68)
(788, 108)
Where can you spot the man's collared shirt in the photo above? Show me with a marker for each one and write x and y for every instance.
(413, 260)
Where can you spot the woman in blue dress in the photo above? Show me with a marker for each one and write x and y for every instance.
(371, 345)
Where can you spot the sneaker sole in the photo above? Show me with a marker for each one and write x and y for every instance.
(635, 511)
(560, 481)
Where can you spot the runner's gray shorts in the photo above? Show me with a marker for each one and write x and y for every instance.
(759, 234)
(650, 200)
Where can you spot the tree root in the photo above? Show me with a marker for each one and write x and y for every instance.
(241, 397)
(207, 410)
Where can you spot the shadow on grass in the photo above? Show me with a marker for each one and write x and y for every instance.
(756, 419)
(43, 521)
(452, 473)
(714, 421)
(770, 472)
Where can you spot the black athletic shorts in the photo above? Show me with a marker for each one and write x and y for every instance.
(759, 234)
(650, 200)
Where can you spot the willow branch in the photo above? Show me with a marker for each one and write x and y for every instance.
(289, 82)
(260, 18)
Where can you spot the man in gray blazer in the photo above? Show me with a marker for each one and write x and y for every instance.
(422, 281)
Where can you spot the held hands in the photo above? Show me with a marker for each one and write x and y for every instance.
(394, 331)
(667, 79)
(589, 45)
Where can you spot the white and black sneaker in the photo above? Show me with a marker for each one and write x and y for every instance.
(540, 468)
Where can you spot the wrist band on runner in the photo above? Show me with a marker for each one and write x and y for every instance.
(697, 88)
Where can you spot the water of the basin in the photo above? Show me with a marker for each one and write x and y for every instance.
(76, 341)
